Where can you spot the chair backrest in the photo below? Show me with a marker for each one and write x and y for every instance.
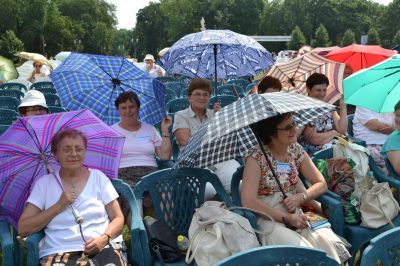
(48, 90)
(229, 90)
(177, 192)
(8, 102)
(177, 87)
(165, 79)
(235, 186)
(52, 99)
(56, 109)
(138, 233)
(224, 100)
(42, 85)
(350, 125)
(248, 88)
(3, 128)
(14, 86)
(171, 94)
(185, 80)
(383, 249)
(390, 168)
(176, 105)
(242, 83)
(7, 116)
(12, 93)
(280, 255)
(7, 244)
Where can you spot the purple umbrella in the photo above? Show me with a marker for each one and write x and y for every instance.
(25, 154)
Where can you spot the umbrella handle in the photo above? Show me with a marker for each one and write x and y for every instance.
(78, 218)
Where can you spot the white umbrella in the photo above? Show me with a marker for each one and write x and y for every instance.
(61, 56)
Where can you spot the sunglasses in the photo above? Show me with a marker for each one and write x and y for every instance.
(288, 127)
(38, 65)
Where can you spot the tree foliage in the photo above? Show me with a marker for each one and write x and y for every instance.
(10, 44)
(321, 38)
(348, 38)
(373, 37)
(298, 39)
(396, 38)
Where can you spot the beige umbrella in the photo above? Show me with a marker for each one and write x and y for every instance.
(163, 51)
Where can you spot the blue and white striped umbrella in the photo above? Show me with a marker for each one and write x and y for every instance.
(86, 81)
(237, 55)
(228, 136)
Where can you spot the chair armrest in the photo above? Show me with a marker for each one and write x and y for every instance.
(32, 246)
(381, 177)
(6, 243)
(333, 207)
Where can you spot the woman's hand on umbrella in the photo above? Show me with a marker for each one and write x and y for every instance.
(166, 123)
(217, 107)
(95, 245)
(65, 200)
(292, 202)
(296, 220)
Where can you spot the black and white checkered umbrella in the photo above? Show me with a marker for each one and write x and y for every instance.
(227, 135)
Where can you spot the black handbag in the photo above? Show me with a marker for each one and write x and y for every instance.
(162, 240)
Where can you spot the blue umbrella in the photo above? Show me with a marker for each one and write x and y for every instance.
(236, 55)
(93, 82)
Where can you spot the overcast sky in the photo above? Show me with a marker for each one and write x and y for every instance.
(127, 9)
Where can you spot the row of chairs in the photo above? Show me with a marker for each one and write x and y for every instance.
(44, 87)
(186, 188)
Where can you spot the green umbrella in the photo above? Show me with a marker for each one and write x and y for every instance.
(7, 69)
(376, 88)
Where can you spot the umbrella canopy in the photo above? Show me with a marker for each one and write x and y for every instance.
(86, 81)
(216, 54)
(294, 74)
(61, 56)
(7, 69)
(25, 154)
(324, 50)
(360, 56)
(32, 56)
(376, 88)
(227, 135)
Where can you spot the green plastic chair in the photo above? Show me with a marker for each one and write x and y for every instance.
(48, 90)
(242, 83)
(12, 93)
(230, 89)
(14, 86)
(224, 100)
(383, 249)
(52, 99)
(177, 87)
(3, 128)
(7, 244)
(7, 116)
(138, 233)
(170, 94)
(8, 102)
(42, 85)
(56, 109)
(175, 194)
(356, 234)
(279, 255)
(176, 105)
(249, 87)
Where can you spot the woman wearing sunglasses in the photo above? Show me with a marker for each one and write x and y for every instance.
(261, 190)
(37, 71)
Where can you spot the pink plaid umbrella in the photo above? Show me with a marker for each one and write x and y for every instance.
(25, 154)
(293, 74)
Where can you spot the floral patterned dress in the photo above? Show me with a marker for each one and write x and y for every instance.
(322, 124)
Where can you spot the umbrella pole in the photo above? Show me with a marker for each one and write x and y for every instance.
(215, 69)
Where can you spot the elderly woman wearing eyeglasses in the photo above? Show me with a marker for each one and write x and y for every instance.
(33, 103)
(58, 199)
(37, 71)
(262, 192)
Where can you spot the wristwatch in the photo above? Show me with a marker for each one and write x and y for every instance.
(304, 194)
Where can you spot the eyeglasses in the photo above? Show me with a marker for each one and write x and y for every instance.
(36, 109)
(77, 150)
(198, 95)
(288, 127)
(38, 65)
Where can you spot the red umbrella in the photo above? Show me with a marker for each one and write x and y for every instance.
(360, 56)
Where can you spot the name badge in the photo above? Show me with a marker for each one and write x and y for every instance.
(283, 168)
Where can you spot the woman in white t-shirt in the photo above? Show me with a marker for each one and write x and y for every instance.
(57, 201)
(142, 141)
